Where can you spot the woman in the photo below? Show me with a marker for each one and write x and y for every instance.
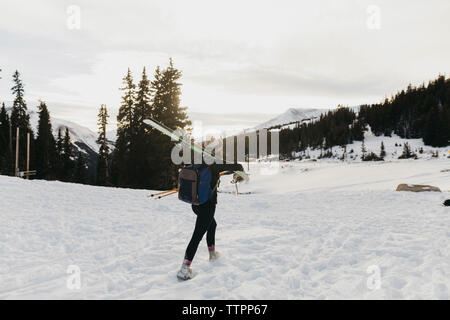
(205, 222)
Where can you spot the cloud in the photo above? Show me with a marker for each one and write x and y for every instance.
(252, 56)
(268, 81)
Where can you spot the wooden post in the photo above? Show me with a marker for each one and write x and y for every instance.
(10, 146)
(248, 160)
(28, 154)
(16, 173)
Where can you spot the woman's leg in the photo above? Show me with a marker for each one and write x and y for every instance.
(211, 235)
(205, 217)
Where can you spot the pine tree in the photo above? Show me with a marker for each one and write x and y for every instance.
(67, 162)
(431, 128)
(382, 151)
(125, 118)
(166, 99)
(166, 109)
(125, 133)
(142, 153)
(141, 158)
(443, 127)
(46, 154)
(363, 150)
(143, 103)
(59, 155)
(59, 143)
(6, 160)
(4, 131)
(20, 118)
(103, 153)
(80, 169)
(406, 152)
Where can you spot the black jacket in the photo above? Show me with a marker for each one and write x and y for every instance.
(217, 169)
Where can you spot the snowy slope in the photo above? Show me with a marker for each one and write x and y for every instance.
(393, 147)
(83, 139)
(292, 115)
(353, 152)
(79, 135)
(309, 231)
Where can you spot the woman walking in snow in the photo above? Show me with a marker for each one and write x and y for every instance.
(205, 222)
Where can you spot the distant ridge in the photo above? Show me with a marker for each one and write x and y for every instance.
(292, 115)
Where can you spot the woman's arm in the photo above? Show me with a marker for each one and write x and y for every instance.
(226, 168)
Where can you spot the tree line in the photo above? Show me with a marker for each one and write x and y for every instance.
(417, 112)
(141, 157)
(52, 158)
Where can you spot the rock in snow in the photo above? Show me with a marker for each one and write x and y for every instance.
(416, 188)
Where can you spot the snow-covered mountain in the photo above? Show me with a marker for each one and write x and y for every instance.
(292, 115)
(83, 138)
(78, 133)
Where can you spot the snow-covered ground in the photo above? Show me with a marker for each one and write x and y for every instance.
(312, 230)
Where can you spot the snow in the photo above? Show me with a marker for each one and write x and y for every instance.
(393, 146)
(292, 115)
(311, 230)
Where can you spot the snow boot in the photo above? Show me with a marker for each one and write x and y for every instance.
(213, 254)
(185, 272)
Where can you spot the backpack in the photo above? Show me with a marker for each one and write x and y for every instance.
(194, 184)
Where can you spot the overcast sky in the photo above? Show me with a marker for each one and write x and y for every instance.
(236, 56)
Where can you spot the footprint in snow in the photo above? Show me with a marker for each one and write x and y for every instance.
(260, 205)
(441, 291)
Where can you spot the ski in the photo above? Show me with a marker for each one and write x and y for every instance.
(171, 133)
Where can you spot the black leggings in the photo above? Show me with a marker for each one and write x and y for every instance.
(205, 223)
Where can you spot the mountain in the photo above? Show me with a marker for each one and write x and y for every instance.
(78, 133)
(83, 138)
(292, 115)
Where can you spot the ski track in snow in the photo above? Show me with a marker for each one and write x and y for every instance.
(308, 232)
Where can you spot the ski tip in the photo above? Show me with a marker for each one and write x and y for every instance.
(148, 121)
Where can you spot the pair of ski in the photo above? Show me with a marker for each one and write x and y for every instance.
(171, 133)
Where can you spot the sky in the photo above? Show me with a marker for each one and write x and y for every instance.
(250, 58)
